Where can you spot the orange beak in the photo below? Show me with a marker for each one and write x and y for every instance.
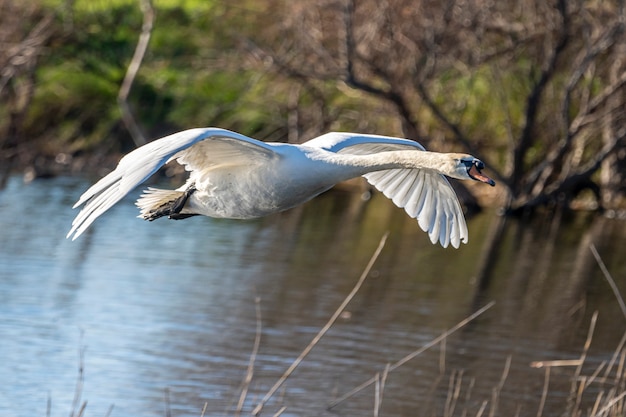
(475, 173)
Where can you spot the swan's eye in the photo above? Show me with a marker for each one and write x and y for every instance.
(467, 163)
(479, 164)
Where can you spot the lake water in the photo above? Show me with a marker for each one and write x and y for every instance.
(163, 314)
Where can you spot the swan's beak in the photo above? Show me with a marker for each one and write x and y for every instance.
(474, 171)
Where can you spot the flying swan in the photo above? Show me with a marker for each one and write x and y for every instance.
(233, 176)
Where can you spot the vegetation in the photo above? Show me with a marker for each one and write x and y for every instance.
(534, 88)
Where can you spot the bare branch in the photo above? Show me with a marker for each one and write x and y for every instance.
(323, 330)
(537, 178)
(25, 54)
(131, 73)
(565, 185)
(533, 100)
(605, 41)
(351, 79)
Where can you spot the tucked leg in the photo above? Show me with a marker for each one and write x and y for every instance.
(172, 209)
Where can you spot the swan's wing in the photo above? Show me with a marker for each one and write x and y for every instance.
(424, 194)
(427, 196)
(222, 151)
(195, 148)
(338, 141)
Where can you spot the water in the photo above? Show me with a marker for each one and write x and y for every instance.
(162, 315)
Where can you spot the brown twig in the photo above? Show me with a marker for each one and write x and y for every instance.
(255, 350)
(327, 326)
(498, 388)
(415, 353)
(610, 404)
(482, 408)
(609, 279)
(131, 73)
(454, 392)
(544, 392)
(556, 363)
(380, 389)
(616, 354)
(281, 411)
(583, 356)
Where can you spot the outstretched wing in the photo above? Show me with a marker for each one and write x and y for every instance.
(195, 148)
(424, 194)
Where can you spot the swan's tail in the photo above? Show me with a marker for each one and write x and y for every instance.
(155, 203)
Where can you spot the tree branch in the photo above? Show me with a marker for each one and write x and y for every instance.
(534, 98)
(409, 127)
(569, 183)
(537, 178)
(131, 73)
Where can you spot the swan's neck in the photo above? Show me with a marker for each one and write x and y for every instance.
(440, 162)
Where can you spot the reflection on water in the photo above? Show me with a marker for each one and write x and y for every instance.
(171, 306)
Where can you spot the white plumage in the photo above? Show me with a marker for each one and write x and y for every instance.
(233, 176)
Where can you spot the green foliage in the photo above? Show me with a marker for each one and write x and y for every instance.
(485, 103)
(188, 79)
(70, 102)
(181, 82)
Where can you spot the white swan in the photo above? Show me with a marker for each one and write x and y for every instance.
(233, 176)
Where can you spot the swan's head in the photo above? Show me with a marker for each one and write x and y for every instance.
(468, 167)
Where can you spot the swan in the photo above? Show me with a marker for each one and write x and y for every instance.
(237, 177)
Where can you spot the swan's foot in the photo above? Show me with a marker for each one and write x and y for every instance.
(172, 209)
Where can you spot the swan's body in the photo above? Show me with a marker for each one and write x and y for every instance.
(233, 176)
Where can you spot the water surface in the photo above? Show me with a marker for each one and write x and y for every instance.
(163, 313)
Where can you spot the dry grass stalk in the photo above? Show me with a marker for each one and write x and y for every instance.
(544, 392)
(131, 72)
(611, 404)
(498, 388)
(451, 384)
(481, 410)
(594, 377)
(454, 392)
(255, 349)
(279, 412)
(583, 356)
(606, 402)
(619, 350)
(620, 368)
(609, 279)
(442, 357)
(415, 353)
(468, 395)
(380, 389)
(555, 363)
(377, 395)
(431, 394)
(324, 329)
(597, 403)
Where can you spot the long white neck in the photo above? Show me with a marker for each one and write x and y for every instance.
(440, 162)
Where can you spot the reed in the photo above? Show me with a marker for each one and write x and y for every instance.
(598, 391)
(608, 378)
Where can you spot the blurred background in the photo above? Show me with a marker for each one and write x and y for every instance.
(163, 314)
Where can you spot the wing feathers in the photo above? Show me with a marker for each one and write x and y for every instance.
(208, 144)
(427, 196)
